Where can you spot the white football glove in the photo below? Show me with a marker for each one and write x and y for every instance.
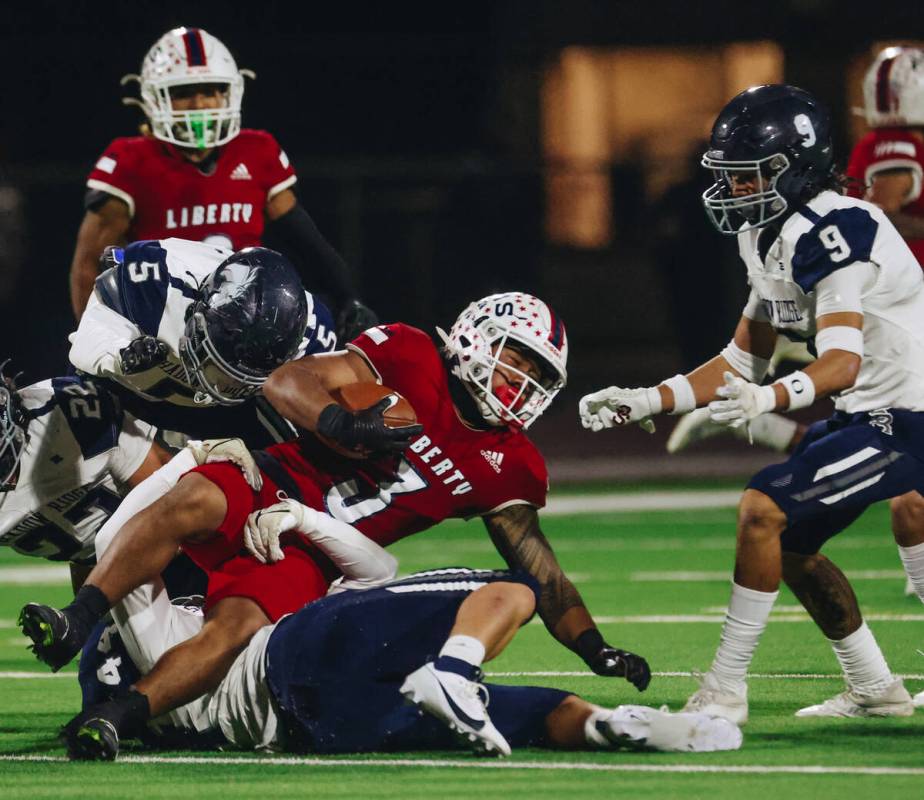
(233, 450)
(743, 401)
(618, 406)
(264, 527)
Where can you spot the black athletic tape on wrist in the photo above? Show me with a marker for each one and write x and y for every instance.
(589, 643)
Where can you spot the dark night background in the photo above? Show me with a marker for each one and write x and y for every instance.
(416, 137)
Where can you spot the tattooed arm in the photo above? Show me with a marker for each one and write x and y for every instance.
(516, 535)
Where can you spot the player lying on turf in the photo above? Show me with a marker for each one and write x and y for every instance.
(68, 454)
(338, 676)
(502, 364)
(833, 268)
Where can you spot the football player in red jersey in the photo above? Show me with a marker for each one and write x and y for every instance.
(887, 164)
(196, 174)
(502, 363)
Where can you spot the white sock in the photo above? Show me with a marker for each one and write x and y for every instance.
(745, 620)
(913, 559)
(863, 663)
(465, 648)
(770, 430)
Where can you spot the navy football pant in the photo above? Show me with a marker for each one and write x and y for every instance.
(842, 466)
(335, 668)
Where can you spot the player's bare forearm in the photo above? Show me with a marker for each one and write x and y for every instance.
(757, 338)
(106, 226)
(516, 535)
(301, 389)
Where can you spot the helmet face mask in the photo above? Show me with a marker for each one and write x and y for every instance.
(215, 379)
(476, 345)
(12, 434)
(770, 151)
(732, 213)
(181, 59)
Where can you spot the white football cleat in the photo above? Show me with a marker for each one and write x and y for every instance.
(711, 700)
(893, 701)
(646, 728)
(910, 591)
(918, 700)
(694, 427)
(458, 702)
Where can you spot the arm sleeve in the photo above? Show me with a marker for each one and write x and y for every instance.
(100, 335)
(843, 290)
(364, 563)
(754, 308)
(319, 265)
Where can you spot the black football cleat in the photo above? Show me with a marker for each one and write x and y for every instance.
(54, 639)
(91, 738)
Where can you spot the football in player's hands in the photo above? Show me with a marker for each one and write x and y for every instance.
(371, 419)
(141, 354)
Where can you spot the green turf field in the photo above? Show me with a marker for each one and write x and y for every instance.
(656, 581)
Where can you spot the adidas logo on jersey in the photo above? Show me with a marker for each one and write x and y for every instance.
(240, 173)
(493, 458)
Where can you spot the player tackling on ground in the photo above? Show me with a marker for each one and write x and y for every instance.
(825, 266)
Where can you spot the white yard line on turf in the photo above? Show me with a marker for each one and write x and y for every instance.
(470, 763)
(771, 676)
(38, 574)
(642, 501)
(695, 576)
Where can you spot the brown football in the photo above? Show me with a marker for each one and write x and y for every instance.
(359, 396)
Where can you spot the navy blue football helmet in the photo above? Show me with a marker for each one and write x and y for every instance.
(770, 151)
(12, 432)
(250, 318)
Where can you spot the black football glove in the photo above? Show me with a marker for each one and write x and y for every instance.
(353, 319)
(612, 662)
(141, 354)
(365, 429)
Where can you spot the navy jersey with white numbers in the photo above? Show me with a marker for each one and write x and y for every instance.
(81, 449)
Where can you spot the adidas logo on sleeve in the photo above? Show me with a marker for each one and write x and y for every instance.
(493, 458)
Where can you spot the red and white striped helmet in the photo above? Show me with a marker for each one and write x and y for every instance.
(519, 321)
(893, 89)
(183, 57)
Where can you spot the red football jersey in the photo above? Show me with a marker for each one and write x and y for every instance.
(168, 196)
(450, 470)
(890, 148)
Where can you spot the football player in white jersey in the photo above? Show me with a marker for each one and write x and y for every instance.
(68, 455)
(825, 266)
(186, 333)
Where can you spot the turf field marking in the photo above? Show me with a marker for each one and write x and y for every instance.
(22, 675)
(39, 574)
(648, 619)
(469, 763)
(700, 576)
(642, 501)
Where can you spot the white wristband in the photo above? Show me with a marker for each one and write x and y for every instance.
(800, 388)
(684, 399)
(839, 337)
(746, 364)
(654, 399)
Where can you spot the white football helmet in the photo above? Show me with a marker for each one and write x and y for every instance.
(523, 323)
(186, 57)
(893, 89)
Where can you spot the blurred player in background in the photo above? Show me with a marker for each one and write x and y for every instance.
(503, 362)
(194, 173)
(822, 267)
